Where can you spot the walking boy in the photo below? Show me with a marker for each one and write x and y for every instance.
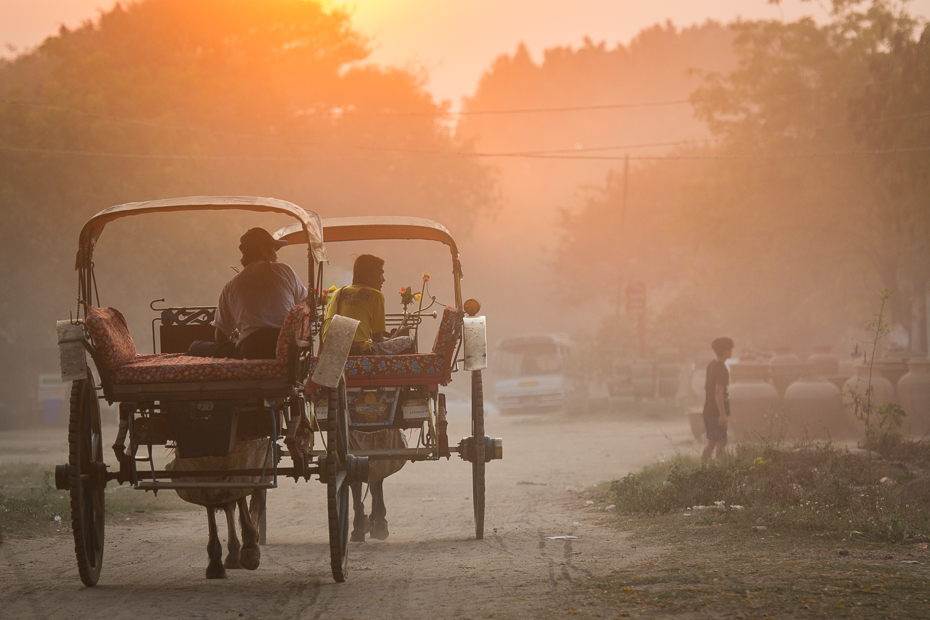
(717, 399)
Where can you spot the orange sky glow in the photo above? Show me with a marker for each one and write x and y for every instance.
(454, 41)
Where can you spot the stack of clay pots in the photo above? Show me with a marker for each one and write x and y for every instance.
(786, 368)
(813, 406)
(754, 402)
(882, 392)
(914, 398)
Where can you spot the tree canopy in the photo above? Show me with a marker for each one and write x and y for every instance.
(162, 98)
(814, 191)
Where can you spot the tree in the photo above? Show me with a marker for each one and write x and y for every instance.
(161, 98)
(814, 182)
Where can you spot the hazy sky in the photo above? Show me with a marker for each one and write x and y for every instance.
(456, 40)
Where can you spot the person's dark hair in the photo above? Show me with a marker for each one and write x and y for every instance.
(366, 268)
(722, 344)
(256, 244)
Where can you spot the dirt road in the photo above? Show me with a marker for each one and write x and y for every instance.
(430, 567)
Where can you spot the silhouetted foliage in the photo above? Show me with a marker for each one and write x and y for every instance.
(161, 98)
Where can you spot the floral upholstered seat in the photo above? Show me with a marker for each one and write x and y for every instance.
(116, 350)
(434, 367)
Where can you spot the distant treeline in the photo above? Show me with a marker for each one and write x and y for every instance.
(803, 188)
(163, 98)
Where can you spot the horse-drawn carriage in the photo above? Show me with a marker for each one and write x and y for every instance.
(403, 391)
(231, 422)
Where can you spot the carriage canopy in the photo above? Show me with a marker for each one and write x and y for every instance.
(309, 224)
(374, 227)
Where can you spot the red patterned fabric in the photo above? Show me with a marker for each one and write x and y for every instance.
(111, 338)
(434, 366)
(180, 368)
(297, 322)
(110, 335)
(447, 336)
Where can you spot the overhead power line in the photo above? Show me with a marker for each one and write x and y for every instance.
(751, 156)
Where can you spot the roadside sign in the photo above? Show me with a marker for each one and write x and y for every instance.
(636, 298)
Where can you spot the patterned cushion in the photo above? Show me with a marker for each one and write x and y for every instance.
(110, 334)
(180, 368)
(296, 322)
(447, 336)
(429, 366)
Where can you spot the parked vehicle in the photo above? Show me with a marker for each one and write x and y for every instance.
(539, 373)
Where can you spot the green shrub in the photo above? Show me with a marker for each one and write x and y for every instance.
(811, 488)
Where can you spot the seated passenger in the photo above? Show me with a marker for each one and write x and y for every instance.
(254, 304)
(364, 302)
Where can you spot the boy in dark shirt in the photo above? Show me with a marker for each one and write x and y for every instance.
(717, 399)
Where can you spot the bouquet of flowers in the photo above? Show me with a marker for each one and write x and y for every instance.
(326, 295)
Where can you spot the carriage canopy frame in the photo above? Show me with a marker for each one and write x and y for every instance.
(309, 224)
(383, 227)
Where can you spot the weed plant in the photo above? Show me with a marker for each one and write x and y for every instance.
(30, 504)
(816, 489)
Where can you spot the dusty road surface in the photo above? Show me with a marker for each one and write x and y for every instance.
(430, 567)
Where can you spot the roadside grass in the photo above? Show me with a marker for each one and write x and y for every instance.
(807, 531)
(817, 489)
(31, 506)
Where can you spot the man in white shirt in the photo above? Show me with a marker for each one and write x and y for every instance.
(253, 305)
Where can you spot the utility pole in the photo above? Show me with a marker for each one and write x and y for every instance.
(621, 255)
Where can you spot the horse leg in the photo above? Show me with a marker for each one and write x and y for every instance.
(232, 540)
(215, 569)
(379, 527)
(250, 556)
(257, 508)
(361, 524)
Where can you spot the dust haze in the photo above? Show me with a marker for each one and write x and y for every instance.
(764, 180)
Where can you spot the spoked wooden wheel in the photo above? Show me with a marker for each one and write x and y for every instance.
(477, 466)
(87, 478)
(337, 481)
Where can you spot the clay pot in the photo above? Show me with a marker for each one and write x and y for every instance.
(823, 363)
(754, 404)
(815, 411)
(893, 365)
(914, 398)
(882, 392)
(786, 368)
(749, 371)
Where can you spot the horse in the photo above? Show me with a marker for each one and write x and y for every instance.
(378, 470)
(253, 454)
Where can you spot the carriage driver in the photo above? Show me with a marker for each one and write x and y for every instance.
(254, 303)
(364, 302)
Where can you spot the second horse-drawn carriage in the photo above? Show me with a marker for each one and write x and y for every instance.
(237, 426)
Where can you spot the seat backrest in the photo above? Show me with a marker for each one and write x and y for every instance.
(110, 335)
(447, 336)
(296, 323)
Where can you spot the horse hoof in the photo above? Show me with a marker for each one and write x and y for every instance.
(250, 558)
(232, 562)
(357, 536)
(379, 529)
(216, 572)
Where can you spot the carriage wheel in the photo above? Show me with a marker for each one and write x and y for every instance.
(87, 478)
(477, 466)
(337, 483)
